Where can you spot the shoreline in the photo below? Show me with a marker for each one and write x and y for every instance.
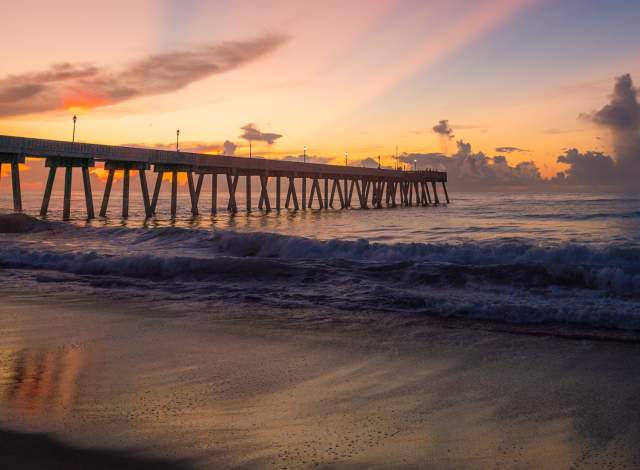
(177, 383)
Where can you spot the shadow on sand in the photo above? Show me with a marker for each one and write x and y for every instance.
(39, 451)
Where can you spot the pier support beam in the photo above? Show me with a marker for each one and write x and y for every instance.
(446, 194)
(47, 192)
(156, 192)
(232, 184)
(199, 187)
(304, 193)
(358, 192)
(66, 209)
(125, 193)
(291, 194)
(349, 193)
(264, 202)
(174, 194)
(315, 191)
(195, 199)
(126, 168)
(88, 195)
(326, 193)
(435, 193)
(175, 170)
(278, 195)
(68, 164)
(192, 194)
(145, 193)
(336, 187)
(248, 188)
(214, 193)
(347, 202)
(14, 160)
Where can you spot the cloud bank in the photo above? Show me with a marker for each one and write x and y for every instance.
(589, 168)
(621, 117)
(64, 86)
(475, 170)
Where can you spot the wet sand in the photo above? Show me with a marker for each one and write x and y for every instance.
(124, 383)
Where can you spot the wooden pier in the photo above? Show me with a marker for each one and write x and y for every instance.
(330, 186)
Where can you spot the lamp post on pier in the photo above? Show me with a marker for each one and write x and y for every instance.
(178, 140)
(415, 165)
(305, 154)
(346, 159)
(73, 138)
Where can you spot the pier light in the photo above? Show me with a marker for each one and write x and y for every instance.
(346, 159)
(305, 154)
(73, 138)
(178, 140)
(415, 165)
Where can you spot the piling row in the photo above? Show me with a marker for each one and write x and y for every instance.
(322, 186)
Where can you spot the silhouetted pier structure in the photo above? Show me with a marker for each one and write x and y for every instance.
(323, 186)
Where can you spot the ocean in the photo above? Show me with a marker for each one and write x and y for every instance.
(518, 258)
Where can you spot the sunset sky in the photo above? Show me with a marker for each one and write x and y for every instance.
(336, 76)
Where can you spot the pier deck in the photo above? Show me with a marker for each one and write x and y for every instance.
(371, 187)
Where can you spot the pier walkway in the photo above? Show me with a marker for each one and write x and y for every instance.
(322, 186)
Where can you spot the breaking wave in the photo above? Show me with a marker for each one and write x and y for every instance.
(511, 280)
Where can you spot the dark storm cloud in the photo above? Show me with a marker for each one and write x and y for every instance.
(587, 168)
(252, 133)
(66, 85)
(622, 113)
(443, 129)
(510, 150)
(621, 116)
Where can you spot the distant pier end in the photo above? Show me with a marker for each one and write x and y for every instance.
(322, 186)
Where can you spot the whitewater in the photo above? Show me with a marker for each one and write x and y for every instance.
(572, 259)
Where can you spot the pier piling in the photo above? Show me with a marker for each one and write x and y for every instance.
(126, 167)
(14, 160)
(214, 193)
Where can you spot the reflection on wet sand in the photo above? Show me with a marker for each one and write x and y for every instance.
(40, 382)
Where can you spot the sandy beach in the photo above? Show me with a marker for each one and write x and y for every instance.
(83, 379)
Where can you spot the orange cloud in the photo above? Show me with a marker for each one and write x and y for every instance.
(67, 85)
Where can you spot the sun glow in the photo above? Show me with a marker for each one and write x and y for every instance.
(82, 102)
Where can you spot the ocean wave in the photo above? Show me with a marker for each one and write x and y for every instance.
(612, 269)
(507, 279)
